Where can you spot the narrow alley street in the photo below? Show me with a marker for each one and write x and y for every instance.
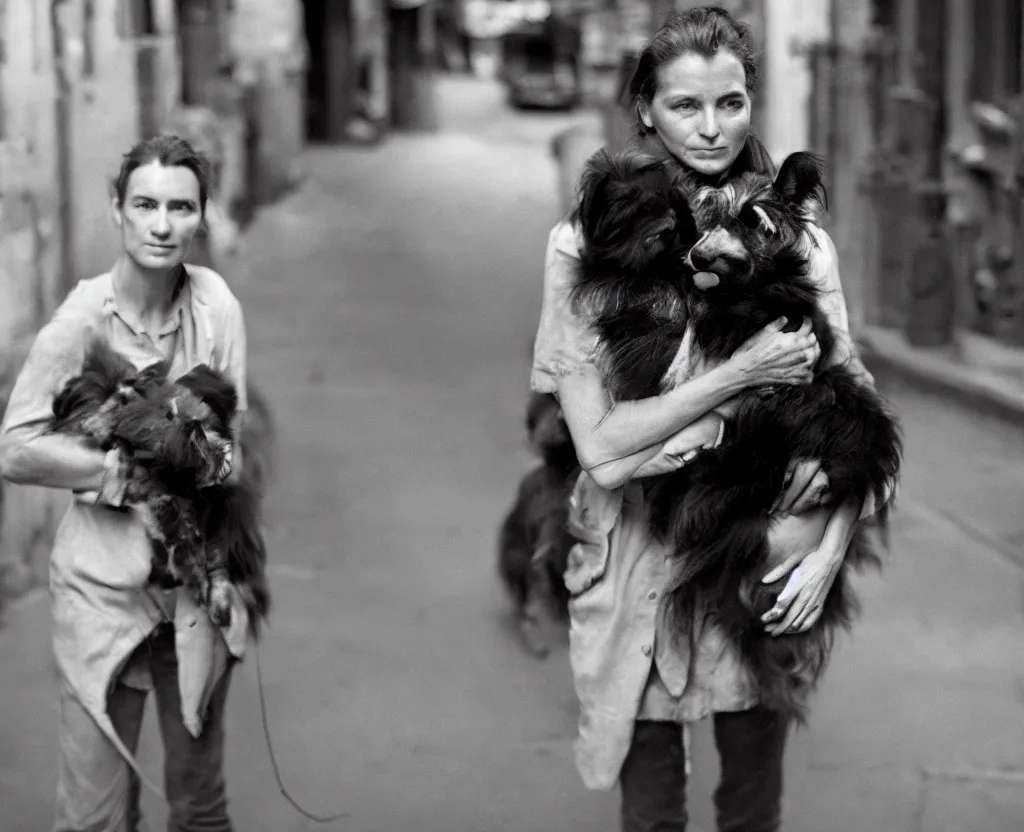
(390, 307)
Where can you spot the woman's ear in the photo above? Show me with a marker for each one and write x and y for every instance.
(643, 109)
(115, 211)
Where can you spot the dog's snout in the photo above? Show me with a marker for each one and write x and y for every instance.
(720, 252)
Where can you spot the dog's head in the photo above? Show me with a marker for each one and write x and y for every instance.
(634, 216)
(547, 431)
(174, 430)
(216, 392)
(752, 229)
(87, 404)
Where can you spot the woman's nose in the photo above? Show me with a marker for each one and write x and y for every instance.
(709, 125)
(161, 225)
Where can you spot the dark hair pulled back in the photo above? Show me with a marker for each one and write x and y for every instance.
(167, 150)
(704, 31)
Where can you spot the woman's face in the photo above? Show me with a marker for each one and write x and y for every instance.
(159, 216)
(701, 110)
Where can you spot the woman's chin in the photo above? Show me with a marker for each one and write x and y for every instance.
(707, 166)
(151, 262)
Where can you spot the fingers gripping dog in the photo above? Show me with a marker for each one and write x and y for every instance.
(176, 437)
(665, 260)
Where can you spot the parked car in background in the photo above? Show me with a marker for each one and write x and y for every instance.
(541, 63)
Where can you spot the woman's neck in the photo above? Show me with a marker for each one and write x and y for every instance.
(146, 293)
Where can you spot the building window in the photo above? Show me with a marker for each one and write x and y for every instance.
(996, 70)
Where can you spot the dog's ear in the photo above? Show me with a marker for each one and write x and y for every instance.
(594, 178)
(686, 221)
(152, 376)
(801, 178)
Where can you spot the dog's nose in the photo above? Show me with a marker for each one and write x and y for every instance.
(701, 260)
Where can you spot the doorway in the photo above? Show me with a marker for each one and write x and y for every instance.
(329, 80)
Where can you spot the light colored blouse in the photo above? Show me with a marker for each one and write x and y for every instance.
(102, 604)
(626, 666)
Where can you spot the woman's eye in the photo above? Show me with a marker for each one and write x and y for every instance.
(735, 105)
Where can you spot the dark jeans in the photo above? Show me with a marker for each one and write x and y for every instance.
(98, 792)
(749, 795)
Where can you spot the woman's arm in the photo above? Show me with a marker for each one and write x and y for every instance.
(613, 440)
(670, 455)
(28, 454)
(801, 602)
(825, 274)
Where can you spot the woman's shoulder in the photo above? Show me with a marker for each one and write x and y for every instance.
(210, 288)
(823, 257)
(85, 304)
(564, 238)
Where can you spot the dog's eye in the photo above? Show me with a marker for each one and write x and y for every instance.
(756, 218)
(750, 218)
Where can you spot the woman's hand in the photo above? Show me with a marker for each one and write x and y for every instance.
(802, 600)
(776, 357)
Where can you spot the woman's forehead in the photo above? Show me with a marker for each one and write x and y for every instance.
(163, 182)
(694, 75)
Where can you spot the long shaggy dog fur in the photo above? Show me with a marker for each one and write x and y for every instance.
(533, 542)
(752, 236)
(176, 435)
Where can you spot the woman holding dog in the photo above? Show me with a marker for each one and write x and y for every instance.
(637, 685)
(117, 634)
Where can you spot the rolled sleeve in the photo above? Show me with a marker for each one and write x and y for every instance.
(233, 362)
(565, 343)
(56, 356)
(824, 273)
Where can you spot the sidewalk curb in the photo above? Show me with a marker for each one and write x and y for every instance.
(886, 354)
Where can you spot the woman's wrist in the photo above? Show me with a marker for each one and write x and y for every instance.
(840, 530)
(730, 378)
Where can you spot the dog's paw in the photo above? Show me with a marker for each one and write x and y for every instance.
(220, 600)
(533, 636)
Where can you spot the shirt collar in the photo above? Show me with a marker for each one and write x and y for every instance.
(179, 300)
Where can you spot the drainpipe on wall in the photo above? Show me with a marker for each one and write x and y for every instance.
(62, 103)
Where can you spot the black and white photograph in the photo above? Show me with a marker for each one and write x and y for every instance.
(512, 415)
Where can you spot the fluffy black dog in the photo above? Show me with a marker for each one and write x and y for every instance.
(176, 435)
(723, 263)
(534, 543)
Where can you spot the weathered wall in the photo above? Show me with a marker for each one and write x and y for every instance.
(30, 277)
(111, 102)
(99, 51)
